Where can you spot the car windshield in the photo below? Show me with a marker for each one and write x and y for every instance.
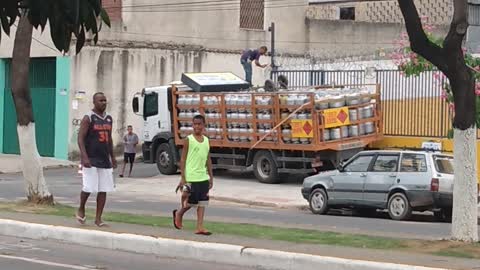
(444, 164)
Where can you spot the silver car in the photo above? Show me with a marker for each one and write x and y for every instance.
(399, 181)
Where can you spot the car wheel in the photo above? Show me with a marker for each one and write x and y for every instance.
(399, 207)
(165, 160)
(318, 201)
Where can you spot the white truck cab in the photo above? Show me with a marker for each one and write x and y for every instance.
(154, 104)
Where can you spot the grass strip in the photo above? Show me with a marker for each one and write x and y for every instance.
(298, 236)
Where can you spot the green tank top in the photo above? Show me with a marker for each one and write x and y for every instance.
(196, 164)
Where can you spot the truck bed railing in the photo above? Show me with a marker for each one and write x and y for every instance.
(274, 121)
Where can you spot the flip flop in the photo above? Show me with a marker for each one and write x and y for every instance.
(103, 224)
(175, 220)
(81, 220)
(207, 233)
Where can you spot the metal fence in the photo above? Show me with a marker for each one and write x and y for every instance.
(305, 78)
(412, 106)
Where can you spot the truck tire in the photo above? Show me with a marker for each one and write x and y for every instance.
(165, 160)
(265, 168)
(399, 207)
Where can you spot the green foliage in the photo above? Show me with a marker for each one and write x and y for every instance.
(8, 13)
(66, 18)
(415, 64)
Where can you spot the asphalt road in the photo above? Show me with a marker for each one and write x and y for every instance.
(65, 184)
(25, 254)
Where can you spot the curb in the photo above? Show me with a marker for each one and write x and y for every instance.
(181, 249)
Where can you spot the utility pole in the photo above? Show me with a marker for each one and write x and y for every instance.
(271, 29)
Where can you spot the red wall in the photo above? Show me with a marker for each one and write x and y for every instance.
(114, 9)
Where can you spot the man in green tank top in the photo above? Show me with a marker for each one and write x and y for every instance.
(197, 175)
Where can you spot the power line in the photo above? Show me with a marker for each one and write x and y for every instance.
(45, 45)
(38, 41)
(252, 40)
(209, 9)
(214, 5)
(197, 3)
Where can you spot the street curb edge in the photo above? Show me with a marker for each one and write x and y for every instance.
(182, 249)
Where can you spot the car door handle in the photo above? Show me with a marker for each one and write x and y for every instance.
(393, 175)
(159, 124)
(363, 175)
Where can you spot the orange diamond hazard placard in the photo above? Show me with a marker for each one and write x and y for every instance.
(302, 128)
(307, 127)
(336, 117)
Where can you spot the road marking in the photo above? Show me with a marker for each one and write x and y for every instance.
(69, 266)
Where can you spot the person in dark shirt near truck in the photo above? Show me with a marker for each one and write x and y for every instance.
(249, 56)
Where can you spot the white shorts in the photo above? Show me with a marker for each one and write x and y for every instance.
(97, 180)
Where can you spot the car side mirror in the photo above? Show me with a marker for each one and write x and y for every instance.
(135, 105)
(341, 167)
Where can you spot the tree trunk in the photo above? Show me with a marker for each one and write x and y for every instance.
(465, 189)
(465, 214)
(36, 187)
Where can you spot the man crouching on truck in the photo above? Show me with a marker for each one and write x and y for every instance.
(196, 168)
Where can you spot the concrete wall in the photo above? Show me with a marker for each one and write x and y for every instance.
(218, 27)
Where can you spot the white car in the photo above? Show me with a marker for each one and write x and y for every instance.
(399, 181)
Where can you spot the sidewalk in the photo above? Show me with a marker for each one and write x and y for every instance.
(229, 186)
(13, 163)
(320, 250)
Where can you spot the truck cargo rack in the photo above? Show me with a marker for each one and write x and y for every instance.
(242, 124)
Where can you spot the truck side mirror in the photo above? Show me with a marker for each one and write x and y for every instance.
(135, 105)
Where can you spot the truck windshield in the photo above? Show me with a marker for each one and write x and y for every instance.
(150, 105)
(444, 164)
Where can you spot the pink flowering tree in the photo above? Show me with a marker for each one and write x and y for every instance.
(413, 64)
(425, 52)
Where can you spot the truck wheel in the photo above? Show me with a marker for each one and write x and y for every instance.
(318, 201)
(265, 168)
(399, 207)
(165, 160)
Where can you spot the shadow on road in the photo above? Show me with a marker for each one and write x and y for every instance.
(426, 217)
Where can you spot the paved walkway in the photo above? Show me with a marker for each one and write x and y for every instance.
(332, 251)
(13, 163)
(237, 187)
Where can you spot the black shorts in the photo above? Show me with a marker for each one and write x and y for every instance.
(199, 193)
(129, 157)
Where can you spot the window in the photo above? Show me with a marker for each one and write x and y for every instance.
(386, 163)
(151, 105)
(360, 164)
(413, 163)
(347, 13)
(252, 13)
(444, 164)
